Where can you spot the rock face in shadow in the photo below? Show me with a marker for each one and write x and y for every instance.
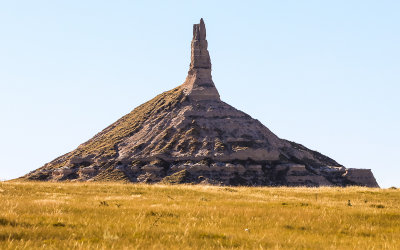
(188, 135)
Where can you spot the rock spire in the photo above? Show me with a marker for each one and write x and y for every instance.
(199, 83)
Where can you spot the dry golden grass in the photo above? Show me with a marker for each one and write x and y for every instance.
(132, 216)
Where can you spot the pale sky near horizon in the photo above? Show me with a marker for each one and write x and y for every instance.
(325, 74)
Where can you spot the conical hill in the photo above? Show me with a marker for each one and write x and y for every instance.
(188, 135)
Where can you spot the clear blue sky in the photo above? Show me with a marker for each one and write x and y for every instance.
(325, 74)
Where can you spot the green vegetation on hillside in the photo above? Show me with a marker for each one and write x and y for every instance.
(104, 142)
(105, 215)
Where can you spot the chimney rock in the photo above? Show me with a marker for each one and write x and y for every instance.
(199, 84)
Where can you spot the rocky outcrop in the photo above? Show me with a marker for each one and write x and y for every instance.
(299, 175)
(199, 85)
(189, 135)
(360, 177)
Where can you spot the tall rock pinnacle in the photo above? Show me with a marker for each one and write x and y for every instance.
(199, 83)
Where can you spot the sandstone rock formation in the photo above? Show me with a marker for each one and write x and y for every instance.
(188, 135)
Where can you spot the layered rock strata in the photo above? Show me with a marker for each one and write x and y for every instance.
(188, 135)
(199, 85)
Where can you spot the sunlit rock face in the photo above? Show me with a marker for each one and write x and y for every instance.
(188, 135)
(199, 85)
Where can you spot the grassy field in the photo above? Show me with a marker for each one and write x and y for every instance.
(130, 216)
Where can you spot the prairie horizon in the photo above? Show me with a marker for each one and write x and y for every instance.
(199, 125)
